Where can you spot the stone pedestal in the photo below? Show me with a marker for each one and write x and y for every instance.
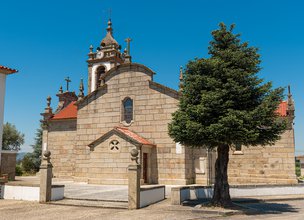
(46, 178)
(134, 186)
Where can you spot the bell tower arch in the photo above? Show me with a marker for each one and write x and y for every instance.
(106, 56)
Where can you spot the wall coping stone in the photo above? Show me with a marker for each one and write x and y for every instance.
(30, 184)
(150, 187)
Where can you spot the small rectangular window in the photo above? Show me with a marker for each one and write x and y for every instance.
(238, 150)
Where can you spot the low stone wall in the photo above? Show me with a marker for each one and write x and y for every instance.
(8, 163)
(28, 192)
(151, 194)
(180, 194)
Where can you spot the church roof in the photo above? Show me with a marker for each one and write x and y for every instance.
(7, 70)
(124, 133)
(134, 136)
(109, 39)
(69, 112)
(282, 109)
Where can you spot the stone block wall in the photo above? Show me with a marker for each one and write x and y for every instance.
(264, 165)
(8, 163)
(153, 108)
(107, 165)
(61, 142)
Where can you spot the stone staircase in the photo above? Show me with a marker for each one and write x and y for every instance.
(96, 203)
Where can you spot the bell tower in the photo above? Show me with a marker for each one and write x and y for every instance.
(106, 56)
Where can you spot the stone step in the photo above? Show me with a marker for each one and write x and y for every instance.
(92, 203)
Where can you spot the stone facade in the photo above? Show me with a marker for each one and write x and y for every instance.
(91, 139)
(8, 164)
(270, 164)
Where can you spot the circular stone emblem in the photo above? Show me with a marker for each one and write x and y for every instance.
(114, 145)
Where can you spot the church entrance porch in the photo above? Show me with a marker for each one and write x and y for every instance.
(109, 158)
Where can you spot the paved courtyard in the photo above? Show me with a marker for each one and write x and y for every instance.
(77, 206)
(15, 210)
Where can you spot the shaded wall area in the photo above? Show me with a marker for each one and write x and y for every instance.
(8, 164)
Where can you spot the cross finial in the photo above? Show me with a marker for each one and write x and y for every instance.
(67, 79)
(110, 13)
(128, 40)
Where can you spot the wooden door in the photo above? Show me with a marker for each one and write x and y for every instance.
(145, 167)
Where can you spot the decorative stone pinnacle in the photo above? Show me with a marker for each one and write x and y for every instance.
(290, 103)
(181, 78)
(81, 89)
(47, 156)
(109, 28)
(91, 48)
(60, 90)
(134, 155)
(181, 73)
(48, 103)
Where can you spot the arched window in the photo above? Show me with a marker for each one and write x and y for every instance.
(127, 114)
(99, 73)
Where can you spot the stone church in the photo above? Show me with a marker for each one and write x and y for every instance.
(90, 137)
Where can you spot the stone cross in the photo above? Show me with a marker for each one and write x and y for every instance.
(128, 40)
(67, 79)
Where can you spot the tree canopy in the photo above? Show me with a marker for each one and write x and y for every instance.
(12, 138)
(224, 103)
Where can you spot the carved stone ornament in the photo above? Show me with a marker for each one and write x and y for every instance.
(114, 145)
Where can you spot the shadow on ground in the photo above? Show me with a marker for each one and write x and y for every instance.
(249, 206)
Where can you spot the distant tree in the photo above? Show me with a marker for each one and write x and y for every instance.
(224, 104)
(31, 161)
(37, 149)
(12, 138)
(28, 164)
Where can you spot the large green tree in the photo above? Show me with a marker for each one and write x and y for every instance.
(224, 103)
(12, 138)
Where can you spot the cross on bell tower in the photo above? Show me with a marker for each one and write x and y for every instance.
(67, 79)
(128, 58)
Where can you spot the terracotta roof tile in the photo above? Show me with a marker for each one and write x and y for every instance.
(7, 70)
(69, 112)
(134, 136)
(282, 109)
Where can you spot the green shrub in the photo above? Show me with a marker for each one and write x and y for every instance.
(19, 171)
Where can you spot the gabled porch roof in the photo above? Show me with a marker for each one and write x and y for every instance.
(124, 133)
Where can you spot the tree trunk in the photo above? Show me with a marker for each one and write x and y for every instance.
(221, 195)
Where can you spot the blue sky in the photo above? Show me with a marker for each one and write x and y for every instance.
(49, 40)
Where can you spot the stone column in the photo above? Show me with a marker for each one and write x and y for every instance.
(46, 178)
(134, 181)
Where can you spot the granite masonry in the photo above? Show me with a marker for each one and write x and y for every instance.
(91, 136)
